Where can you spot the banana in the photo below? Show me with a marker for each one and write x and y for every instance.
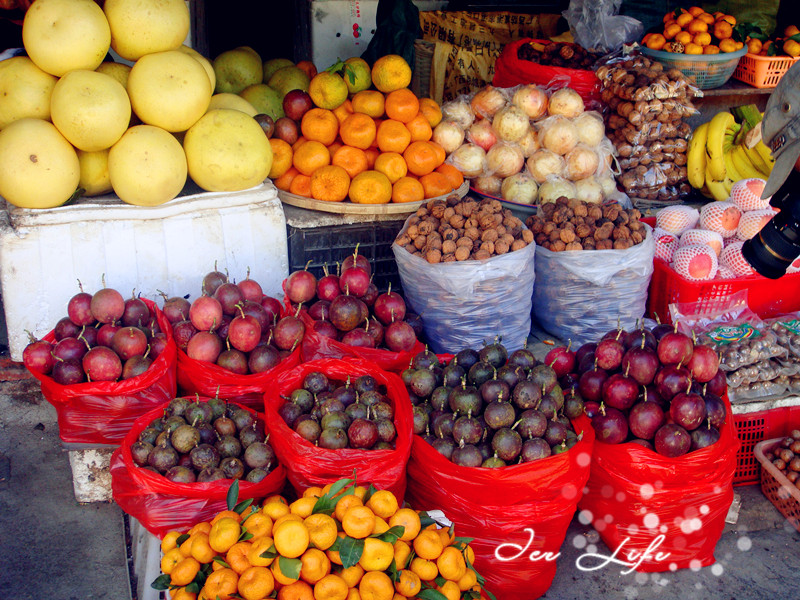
(716, 187)
(744, 165)
(715, 144)
(732, 174)
(758, 162)
(765, 155)
(696, 157)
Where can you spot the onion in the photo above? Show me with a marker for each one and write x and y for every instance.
(591, 129)
(449, 135)
(482, 133)
(520, 188)
(566, 102)
(488, 185)
(589, 190)
(582, 162)
(531, 99)
(529, 143)
(487, 101)
(511, 124)
(470, 159)
(544, 163)
(558, 135)
(505, 159)
(554, 188)
(459, 111)
(608, 183)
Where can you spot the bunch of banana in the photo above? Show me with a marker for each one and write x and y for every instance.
(724, 150)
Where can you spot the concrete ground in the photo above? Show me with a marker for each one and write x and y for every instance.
(53, 547)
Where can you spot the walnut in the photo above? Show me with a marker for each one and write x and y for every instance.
(434, 243)
(622, 244)
(486, 221)
(462, 252)
(488, 246)
(490, 235)
(548, 209)
(448, 258)
(549, 228)
(527, 236)
(574, 246)
(426, 227)
(450, 234)
(471, 222)
(403, 240)
(448, 247)
(535, 224)
(604, 245)
(636, 237)
(422, 212)
(555, 235)
(496, 206)
(433, 256)
(472, 233)
(507, 238)
(410, 248)
(611, 212)
(448, 212)
(456, 221)
(420, 241)
(588, 243)
(501, 247)
(595, 212)
(540, 239)
(413, 220)
(558, 246)
(583, 231)
(621, 232)
(567, 236)
(469, 207)
(481, 255)
(604, 231)
(560, 216)
(518, 245)
(412, 231)
(464, 242)
(459, 208)
(581, 210)
(500, 229)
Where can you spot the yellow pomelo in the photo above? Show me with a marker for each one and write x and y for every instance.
(357, 75)
(38, 166)
(169, 90)
(118, 71)
(227, 151)
(327, 90)
(274, 64)
(62, 35)
(140, 27)
(236, 69)
(94, 172)
(228, 100)
(203, 61)
(264, 99)
(24, 90)
(287, 79)
(90, 109)
(147, 166)
(391, 72)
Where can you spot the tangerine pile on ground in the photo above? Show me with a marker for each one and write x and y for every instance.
(340, 542)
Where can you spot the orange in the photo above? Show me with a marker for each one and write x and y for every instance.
(671, 30)
(401, 105)
(451, 564)
(393, 136)
(450, 590)
(391, 164)
(222, 583)
(301, 186)
(300, 141)
(314, 491)
(428, 545)
(303, 506)
(344, 504)
(376, 585)
(407, 189)
(419, 128)
(327, 90)
(421, 158)
(181, 594)
(727, 46)
(377, 555)
(299, 590)
(258, 524)
(426, 570)
(353, 594)
(435, 184)
(706, 18)
(692, 48)
(224, 534)
(358, 521)
(311, 156)
(284, 182)
(255, 583)
(280, 577)
(789, 31)
(696, 26)
(352, 575)
(468, 580)
(236, 557)
(358, 130)
(170, 541)
(731, 20)
(383, 503)
(402, 551)
(454, 176)
(201, 549)
(372, 155)
(281, 157)
(184, 571)
(258, 548)
(321, 530)
(344, 110)
(202, 527)
(381, 526)
(711, 49)
(440, 153)
(702, 39)
(656, 42)
(469, 555)
(231, 514)
(321, 125)
(369, 102)
(431, 111)
(333, 555)
(307, 67)
(352, 160)
(754, 46)
(377, 126)
(330, 587)
(684, 37)
(409, 519)
(391, 72)
(369, 187)
(335, 146)
(684, 19)
(315, 565)
(186, 546)
(408, 583)
(722, 30)
(291, 538)
(447, 536)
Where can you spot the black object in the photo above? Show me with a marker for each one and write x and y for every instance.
(397, 27)
(777, 245)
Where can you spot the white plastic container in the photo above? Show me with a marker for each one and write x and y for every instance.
(91, 475)
(43, 253)
(146, 558)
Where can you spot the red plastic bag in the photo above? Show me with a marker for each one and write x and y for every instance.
(103, 412)
(510, 70)
(674, 506)
(511, 512)
(308, 465)
(161, 505)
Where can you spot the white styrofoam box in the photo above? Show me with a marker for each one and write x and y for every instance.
(146, 558)
(91, 475)
(43, 253)
(344, 28)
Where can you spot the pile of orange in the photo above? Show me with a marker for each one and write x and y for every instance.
(694, 31)
(291, 551)
(788, 44)
(374, 147)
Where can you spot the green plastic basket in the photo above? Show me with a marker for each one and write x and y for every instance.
(706, 71)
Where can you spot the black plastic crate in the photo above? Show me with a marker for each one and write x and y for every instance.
(332, 244)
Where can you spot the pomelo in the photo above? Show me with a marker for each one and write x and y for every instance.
(212, 78)
(24, 90)
(236, 69)
(94, 172)
(140, 27)
(287, 79)
(264, 99)
(272, 65)
(234, 101)
(118, 71)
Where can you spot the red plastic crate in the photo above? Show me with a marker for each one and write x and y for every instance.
(756, 427)
(766, 297)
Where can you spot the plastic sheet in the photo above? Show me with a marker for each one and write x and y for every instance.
(466, 304)
(528, 505)
(103, 412)
(637, 499)
(596, 24)
(581, 295)
(161, 505)
(308, 465)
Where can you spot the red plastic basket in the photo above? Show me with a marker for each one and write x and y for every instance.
(754, 428)
(776, 487)
(766, 297)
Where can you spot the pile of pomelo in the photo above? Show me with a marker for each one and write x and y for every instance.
(70, 122)
(340, 542)
(358, 132)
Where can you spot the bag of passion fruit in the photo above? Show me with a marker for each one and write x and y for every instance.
(103, 412)
(668, 513)
(324, 461)
(168, 501)
(517, 515)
